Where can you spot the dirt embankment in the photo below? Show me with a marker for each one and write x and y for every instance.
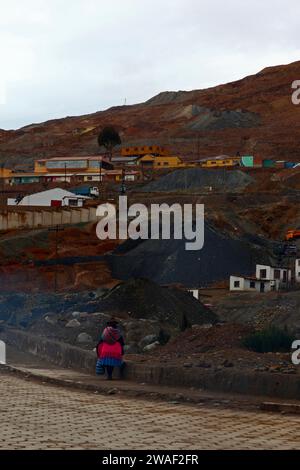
(37, 260)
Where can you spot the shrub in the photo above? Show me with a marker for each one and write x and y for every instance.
(272, 339)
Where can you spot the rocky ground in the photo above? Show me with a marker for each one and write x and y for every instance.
(149, 314)
(219, 347)
(171, 328)
(280, 309)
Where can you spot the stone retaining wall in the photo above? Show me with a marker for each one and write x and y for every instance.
(227, 380)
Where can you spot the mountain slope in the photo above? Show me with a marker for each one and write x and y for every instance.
(252, 115)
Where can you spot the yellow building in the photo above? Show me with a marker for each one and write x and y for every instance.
(144, 150)
(160, 162)
(5, 173)
(220, 162)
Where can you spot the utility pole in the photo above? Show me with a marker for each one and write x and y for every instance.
(290, 251)
(123, 185)
(100, 176)
(65, 175)
(198, 146)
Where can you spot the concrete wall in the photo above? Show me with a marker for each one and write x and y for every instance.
(226, 380)
(20, 219)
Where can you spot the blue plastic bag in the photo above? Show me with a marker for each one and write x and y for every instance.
(99, 368)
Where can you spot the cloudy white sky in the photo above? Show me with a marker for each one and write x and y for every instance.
(70, 57)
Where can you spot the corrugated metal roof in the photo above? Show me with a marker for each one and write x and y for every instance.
(83, 157)
(124, 159)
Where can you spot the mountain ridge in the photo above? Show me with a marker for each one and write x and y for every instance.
(253, 115)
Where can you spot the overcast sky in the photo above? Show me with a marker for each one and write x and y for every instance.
(71, 57)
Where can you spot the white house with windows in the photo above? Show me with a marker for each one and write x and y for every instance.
(267, 279)
(252, 284)
(283, 275)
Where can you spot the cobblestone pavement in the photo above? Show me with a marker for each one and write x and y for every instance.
(41, 416)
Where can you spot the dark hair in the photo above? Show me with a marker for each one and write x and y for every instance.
(112, 323)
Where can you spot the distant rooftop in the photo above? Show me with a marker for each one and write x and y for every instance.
(83, 157)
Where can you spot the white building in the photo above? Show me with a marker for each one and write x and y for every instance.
(269, 273)
(252, 284)
(268, 278)
(56, 197)
(194, 292)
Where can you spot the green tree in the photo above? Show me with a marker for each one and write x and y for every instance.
(109, 138)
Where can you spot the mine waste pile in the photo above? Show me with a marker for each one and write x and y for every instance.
(167, 261)
(197, 179)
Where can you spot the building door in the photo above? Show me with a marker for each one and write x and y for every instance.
(262, 287)
(55, 203)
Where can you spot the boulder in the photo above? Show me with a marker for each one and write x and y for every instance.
(149, 339)
(50, 320)
(73, 323)
(150, 347)
(76, 314)
(84, 338)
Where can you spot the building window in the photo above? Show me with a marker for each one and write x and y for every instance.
(73, 202)
(263, 273)
(236, 284)
(64, 164)
(252, 284)
(277, 274)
